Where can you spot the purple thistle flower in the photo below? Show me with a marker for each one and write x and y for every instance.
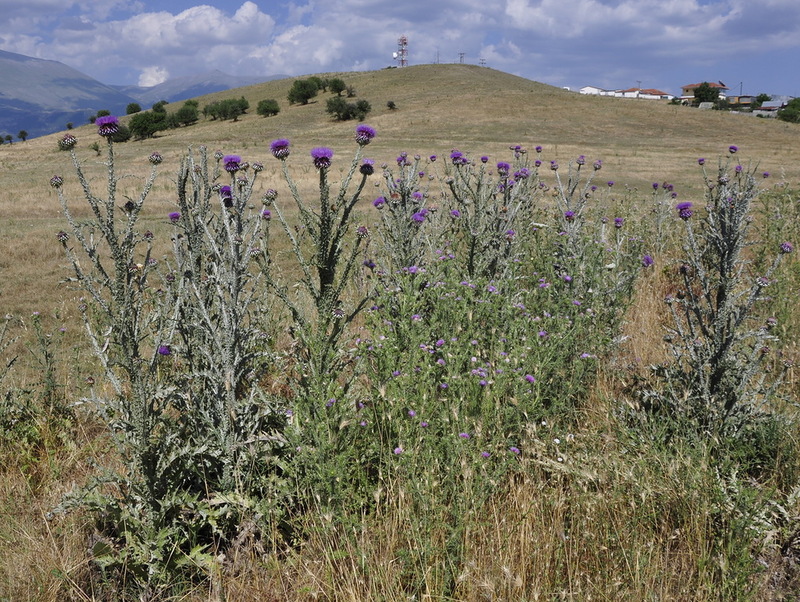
(732, 149)
(367, 167)
(569, 216)
(610, 183)
(538, 149)
(164, 350)
(322, 157)
(514, 450)
(455, 213)
(67, 142)
(787, 247)
(701, 161)
(432, 158)
(379, 202)
(107, 126)
(464, 435)
(419, 216)
(364, 134)
(265, 214)
(684, 210)
(155, 158)
(597, 165)
(503, 168)
(765, 174)
(530, 378)
(226, 195)
(174, 216)
(231, 163)
(485, 454)
(457, 157)
(484, 159)
(280, 148)
(56, 181)
(553, 165)
(619, 222)
(647, 261)
(398, 450)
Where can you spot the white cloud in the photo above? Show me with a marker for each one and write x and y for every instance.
(152, 76)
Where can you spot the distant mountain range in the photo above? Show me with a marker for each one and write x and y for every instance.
(42, 96)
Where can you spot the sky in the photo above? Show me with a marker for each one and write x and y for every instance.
(752, 47)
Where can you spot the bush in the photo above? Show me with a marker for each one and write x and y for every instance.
(337, 86)
(132, 108)
(231, 108)
(145, 125)
(268, 108)
(302, 91)
(342, 110)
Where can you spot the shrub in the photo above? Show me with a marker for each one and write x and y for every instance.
(342, 110)
(267, 108)
(133, 107)
(337, 86)
(302, 91)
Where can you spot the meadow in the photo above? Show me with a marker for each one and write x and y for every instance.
(505, 342)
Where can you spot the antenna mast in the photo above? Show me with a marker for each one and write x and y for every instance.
(402, 51)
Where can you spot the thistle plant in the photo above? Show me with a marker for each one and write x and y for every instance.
(326, 250)
(181, 342)
(719, 376)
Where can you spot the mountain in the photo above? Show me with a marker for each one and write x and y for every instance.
(42, 96)
(190, 86)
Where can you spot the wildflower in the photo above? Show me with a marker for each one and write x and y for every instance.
(330, 402)
(107, 126)
(423, 424)
(368, 263)
(738, 169)
(322, 157)
(701, 161)
(732, 149)
(62, 236)
(155, 158)
(280, 148)
(231, 163)
(581, 160)
(226, 195)
(538, 149)
(398, 450)
(164, 350)
(265, 214)
(485, 454)
(523, 174)
(787, 247)
(684, 210)
(412, 413)
(270, 195)
(514, 450)
(56, 181)
(67, 142)
(464, 435)
(367, 167)
(432, 158)
(530, 378)
(619, 222)
(379, 202)
(258, 166)
(455, 213)
(174, 216)
(597, 165)
(485, 159)
(647, 261)
(655, 185)
(569, 216)
(553, 165)
(362, 232)
(419, 216)
(364, 134)
(503, 168)
(765, 174)
(610, 183)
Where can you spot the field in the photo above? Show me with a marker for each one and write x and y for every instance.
(573, 452)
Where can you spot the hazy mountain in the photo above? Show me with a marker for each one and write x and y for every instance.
(42, 96)
(190, 86)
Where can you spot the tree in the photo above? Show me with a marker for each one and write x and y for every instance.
(391, 105)
(187, 114)
(23, 135)
(132, 108)
(321, 84)
(103, 113)
(159, 107)
(9, 139)
(761, 99)
(705, 92)
(337, 86)
(302, 91)
(268, 107)
(69, 125)
(791, 112)
(145, 125)
(342, 110)
(230, 108)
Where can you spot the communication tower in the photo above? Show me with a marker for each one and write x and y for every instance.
(402, 51)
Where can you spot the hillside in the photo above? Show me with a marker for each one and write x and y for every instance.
(439, 107)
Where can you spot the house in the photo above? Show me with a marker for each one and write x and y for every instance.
(687, 91)
(649, 94)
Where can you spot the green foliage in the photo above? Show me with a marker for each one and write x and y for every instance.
(230, 108)
(761, 99)
(147, 124)
(160, 106)
(791, 112)
(337, 86)
(133, 107)
(705, 93)
(187, 114)
(268, 107)
(22, 135)
(302, 91)
(391, 105)
(342, 110)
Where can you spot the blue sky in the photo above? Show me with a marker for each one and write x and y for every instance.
(750, 46)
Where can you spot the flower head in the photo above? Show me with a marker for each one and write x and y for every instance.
(226, 195)
(56, 181)
(701, 161)
(787, 247)
(419, 216)
(174, 216)
(322, 157)
(67, 142)
(107, 126)
(647, 261)
(280, 148)
(164, 350)
(503, 168)
(364, 134)
(684, 210)
(379, 202)
(155, 158)
(367, 167)
(231, 163)
(732, 149)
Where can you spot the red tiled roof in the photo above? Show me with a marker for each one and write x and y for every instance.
(719, 85)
